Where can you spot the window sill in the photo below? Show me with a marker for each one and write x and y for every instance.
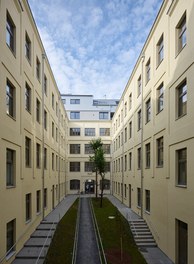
(158, 112)
(12, 117)
(159, 63)
(159, 166)
(38, 213)
(10, 187)
(179, 117)
(147, 168)
(179, 51)
(181, 186)
(28, 221)
(12, 50)
(10, 255)
(147, 212)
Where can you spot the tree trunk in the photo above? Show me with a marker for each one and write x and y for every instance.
(102, 189)
(96, 184)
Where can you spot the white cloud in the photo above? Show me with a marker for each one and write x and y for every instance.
(93, 45)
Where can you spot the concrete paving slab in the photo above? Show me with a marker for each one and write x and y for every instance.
(31, 252)
(38, 241)
(27, 261)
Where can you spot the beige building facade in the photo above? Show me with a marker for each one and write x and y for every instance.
(33, 130)
(45, 155)
(153, 135)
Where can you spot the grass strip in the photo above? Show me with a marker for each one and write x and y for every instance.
(61, 248)
(117, 239)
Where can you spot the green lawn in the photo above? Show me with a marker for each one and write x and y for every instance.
(117, 239)
(61, 248)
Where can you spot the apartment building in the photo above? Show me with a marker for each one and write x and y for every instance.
(89, 119)
(148, 141)
(153, 133)
(33, 130)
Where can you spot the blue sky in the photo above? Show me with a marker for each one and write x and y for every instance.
(92, 45)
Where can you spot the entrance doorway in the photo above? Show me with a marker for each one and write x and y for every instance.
(89, 186)
(182, 242)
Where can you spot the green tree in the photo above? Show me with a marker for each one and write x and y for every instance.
(99, 163)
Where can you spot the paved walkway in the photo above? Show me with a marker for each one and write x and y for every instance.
(31, 250)
(152, 255)
(87, 247)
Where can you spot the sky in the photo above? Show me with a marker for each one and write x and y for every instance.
(93, 45)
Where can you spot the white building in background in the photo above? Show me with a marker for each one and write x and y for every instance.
(89, 119)
(85, 107)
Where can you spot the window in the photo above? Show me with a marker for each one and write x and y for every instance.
(74, 166)
(45, 84)
(130, 129)
(74, 101)
(106, 184)
(53, 101)
(28, 98)
(125, 162)
(130, 101)
(45, 158)
(28, 207)
(181, 167)
(160, 50)
(45, 119)
(148, 71)
(160, 152)
(45, 197)
(38, 201)
(138, 197)
(148, 110)
(147, 149)
(57, 109)
(11, 236)
(74, 148)
(139, 158)
(37, 68)
(104, 132)
(28, 151)
(10, 33)
(139, 120)
(147, 201)
(125, 108)
(57, 162)
(75, 115)
(106, 148)
(27, 47)
(125, 134)
(53, 161)
(139, 86)
(181, 33)
(10, 99)
(90, 132)
(74, 184)
(56, 134)
(182, 99)
(10, 168)
(160, 98)
(75, 131)
(89, 166)
(38, 155)
(130, 160)
(37, 110)
(103, 115)
(107, 166)
(53, 129)
(88, 149)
